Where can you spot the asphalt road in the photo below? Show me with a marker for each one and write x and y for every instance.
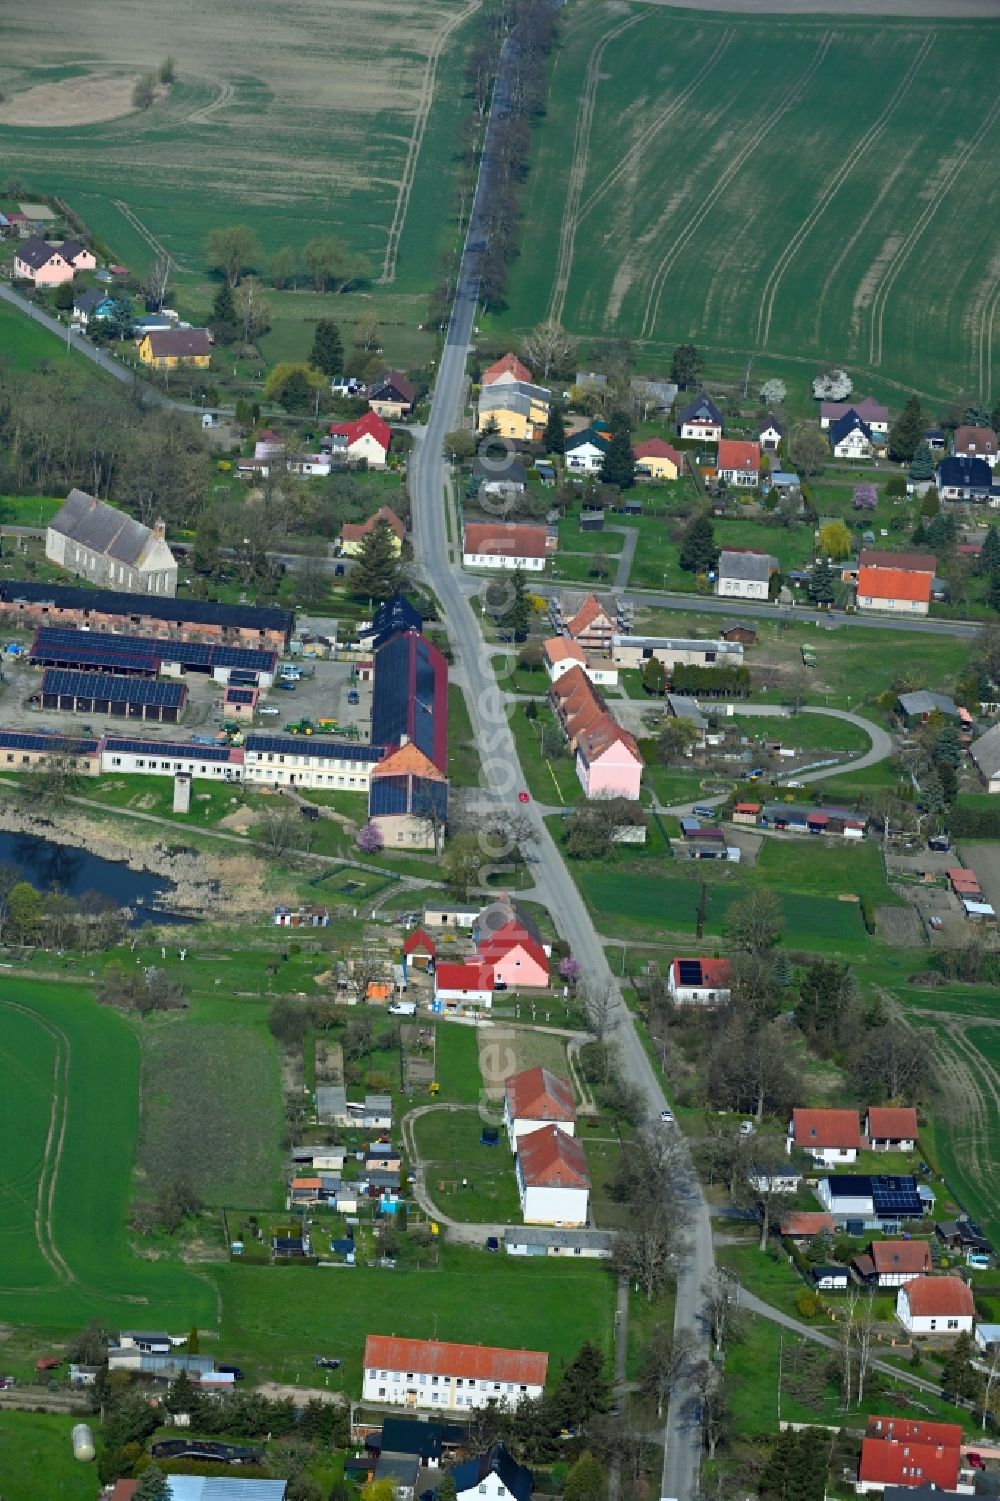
(502, 778)
(739, 609)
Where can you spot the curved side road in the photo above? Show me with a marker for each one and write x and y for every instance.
(502, 774)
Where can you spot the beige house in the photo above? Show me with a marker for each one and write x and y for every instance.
(104, 546)
(514, 409)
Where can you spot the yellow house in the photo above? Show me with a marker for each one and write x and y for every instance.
(169, 348)
(657, 460)
(515, 409)
(353, 534)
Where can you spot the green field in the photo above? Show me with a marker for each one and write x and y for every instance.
(36, 1459)
(69, 1118)
(797, 188)
(312, 125)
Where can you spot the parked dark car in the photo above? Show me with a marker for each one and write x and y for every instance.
(230, 1370)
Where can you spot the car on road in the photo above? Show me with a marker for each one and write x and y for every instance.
(492, 1243)
(667, 1117)
(354, 697)
(523, 797)
(702, 810)
(286, 686)
(270, 711)
(795, 784)
(326, 1364)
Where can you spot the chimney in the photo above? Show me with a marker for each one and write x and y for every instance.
(160, 531)
(403, 740)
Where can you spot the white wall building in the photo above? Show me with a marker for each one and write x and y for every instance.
(448, 1377)
(936, 1305)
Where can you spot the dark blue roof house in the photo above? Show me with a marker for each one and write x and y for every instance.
(965, 478)
(517, 1479)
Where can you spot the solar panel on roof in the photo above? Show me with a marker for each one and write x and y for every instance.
(25, 740)
(99, 685)
(63, 644)
(177, 750)
(178, 611)
(239, 695)
(316, 746)
(689, 971)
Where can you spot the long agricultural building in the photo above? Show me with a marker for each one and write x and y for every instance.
(25, 605)
(103, 693)
(131, 655)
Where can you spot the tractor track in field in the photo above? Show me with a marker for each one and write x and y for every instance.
(905, 250)
(224, 97)
(791, 98)
(55, 1140)
(578, 170)
(416, 140)
(155, 245)
(663, 118)
(983, 1091)
(846, 167)
(986, 341)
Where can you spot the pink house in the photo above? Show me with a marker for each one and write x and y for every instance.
(608, 762)
(41, 263)
(76, 254)
(517, 959)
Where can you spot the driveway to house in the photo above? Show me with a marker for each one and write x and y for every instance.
(502, 775)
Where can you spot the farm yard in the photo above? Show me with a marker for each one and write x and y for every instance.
(798, 189)
(320, 126)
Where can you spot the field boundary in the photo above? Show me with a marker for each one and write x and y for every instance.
(903, 253)
(791, 98)
(840, 176)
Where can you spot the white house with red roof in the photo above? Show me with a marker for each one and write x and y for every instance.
(552, 1178)
(560, 653)
(504, 544)
(590, 622)
(534, 1098)
(699, 982)
(419, 950)
(445, 1377)
(468, 983)
(828, 1136)
(366, 437)
(897, 1452)
(976, 443)
(507, 371)
(738, 462)
(608, 761)
(936, 1305)
(891, 1128)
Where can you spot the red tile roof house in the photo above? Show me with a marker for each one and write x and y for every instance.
(828, 1136)
(507, 370)
(367, 437)
(446, 1377)
(891, 1128)
(738, 462)
(936, 1305)
(41, 263)
(608, 760)
(534, 1098)
(909, 1462)
(353, 533)
(976, 443)
(803, 1224)
(504, 544)
(700, 982)
(517, 959)
(895, 590)
(891, 1263)
(561, 654)
(592, 626)
(419, 950)
(457, 986)
(552, 1178)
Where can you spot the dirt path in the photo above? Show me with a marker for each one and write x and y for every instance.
(225, 96)
(424, 103)
(578, 170)
(986, 341)
(846, 168)
(906, 249)
(706, 205)
(155, 245)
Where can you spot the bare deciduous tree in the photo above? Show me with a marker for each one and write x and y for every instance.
(159, 277)
(665, 1360)
(600, 1004)
(548, 347)
(721, 1292)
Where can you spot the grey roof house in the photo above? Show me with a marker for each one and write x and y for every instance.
(985, 753)
(922, 704)
(744, 575)
(106, 547)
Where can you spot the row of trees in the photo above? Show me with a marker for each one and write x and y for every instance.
(326, 261)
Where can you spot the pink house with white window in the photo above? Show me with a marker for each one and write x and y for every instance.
(608, 762)
(41, 263)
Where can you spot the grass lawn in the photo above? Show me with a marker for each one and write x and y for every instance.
(469, 1181)
(457, 1063)
(36, 1458)
(808, 732)
(73, 1263)
(463, 754)
(572, 539)
(27, 510)
(549, 781)
(542, 1304)
(629, 260)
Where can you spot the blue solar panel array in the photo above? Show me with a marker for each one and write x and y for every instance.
(100, 686)
(388, 795)
(168, 749)
(144, 653)
(24, 740)
(315, 746)
(897, 1196)
(177, 612)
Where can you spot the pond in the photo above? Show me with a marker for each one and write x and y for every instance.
(50, 866)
